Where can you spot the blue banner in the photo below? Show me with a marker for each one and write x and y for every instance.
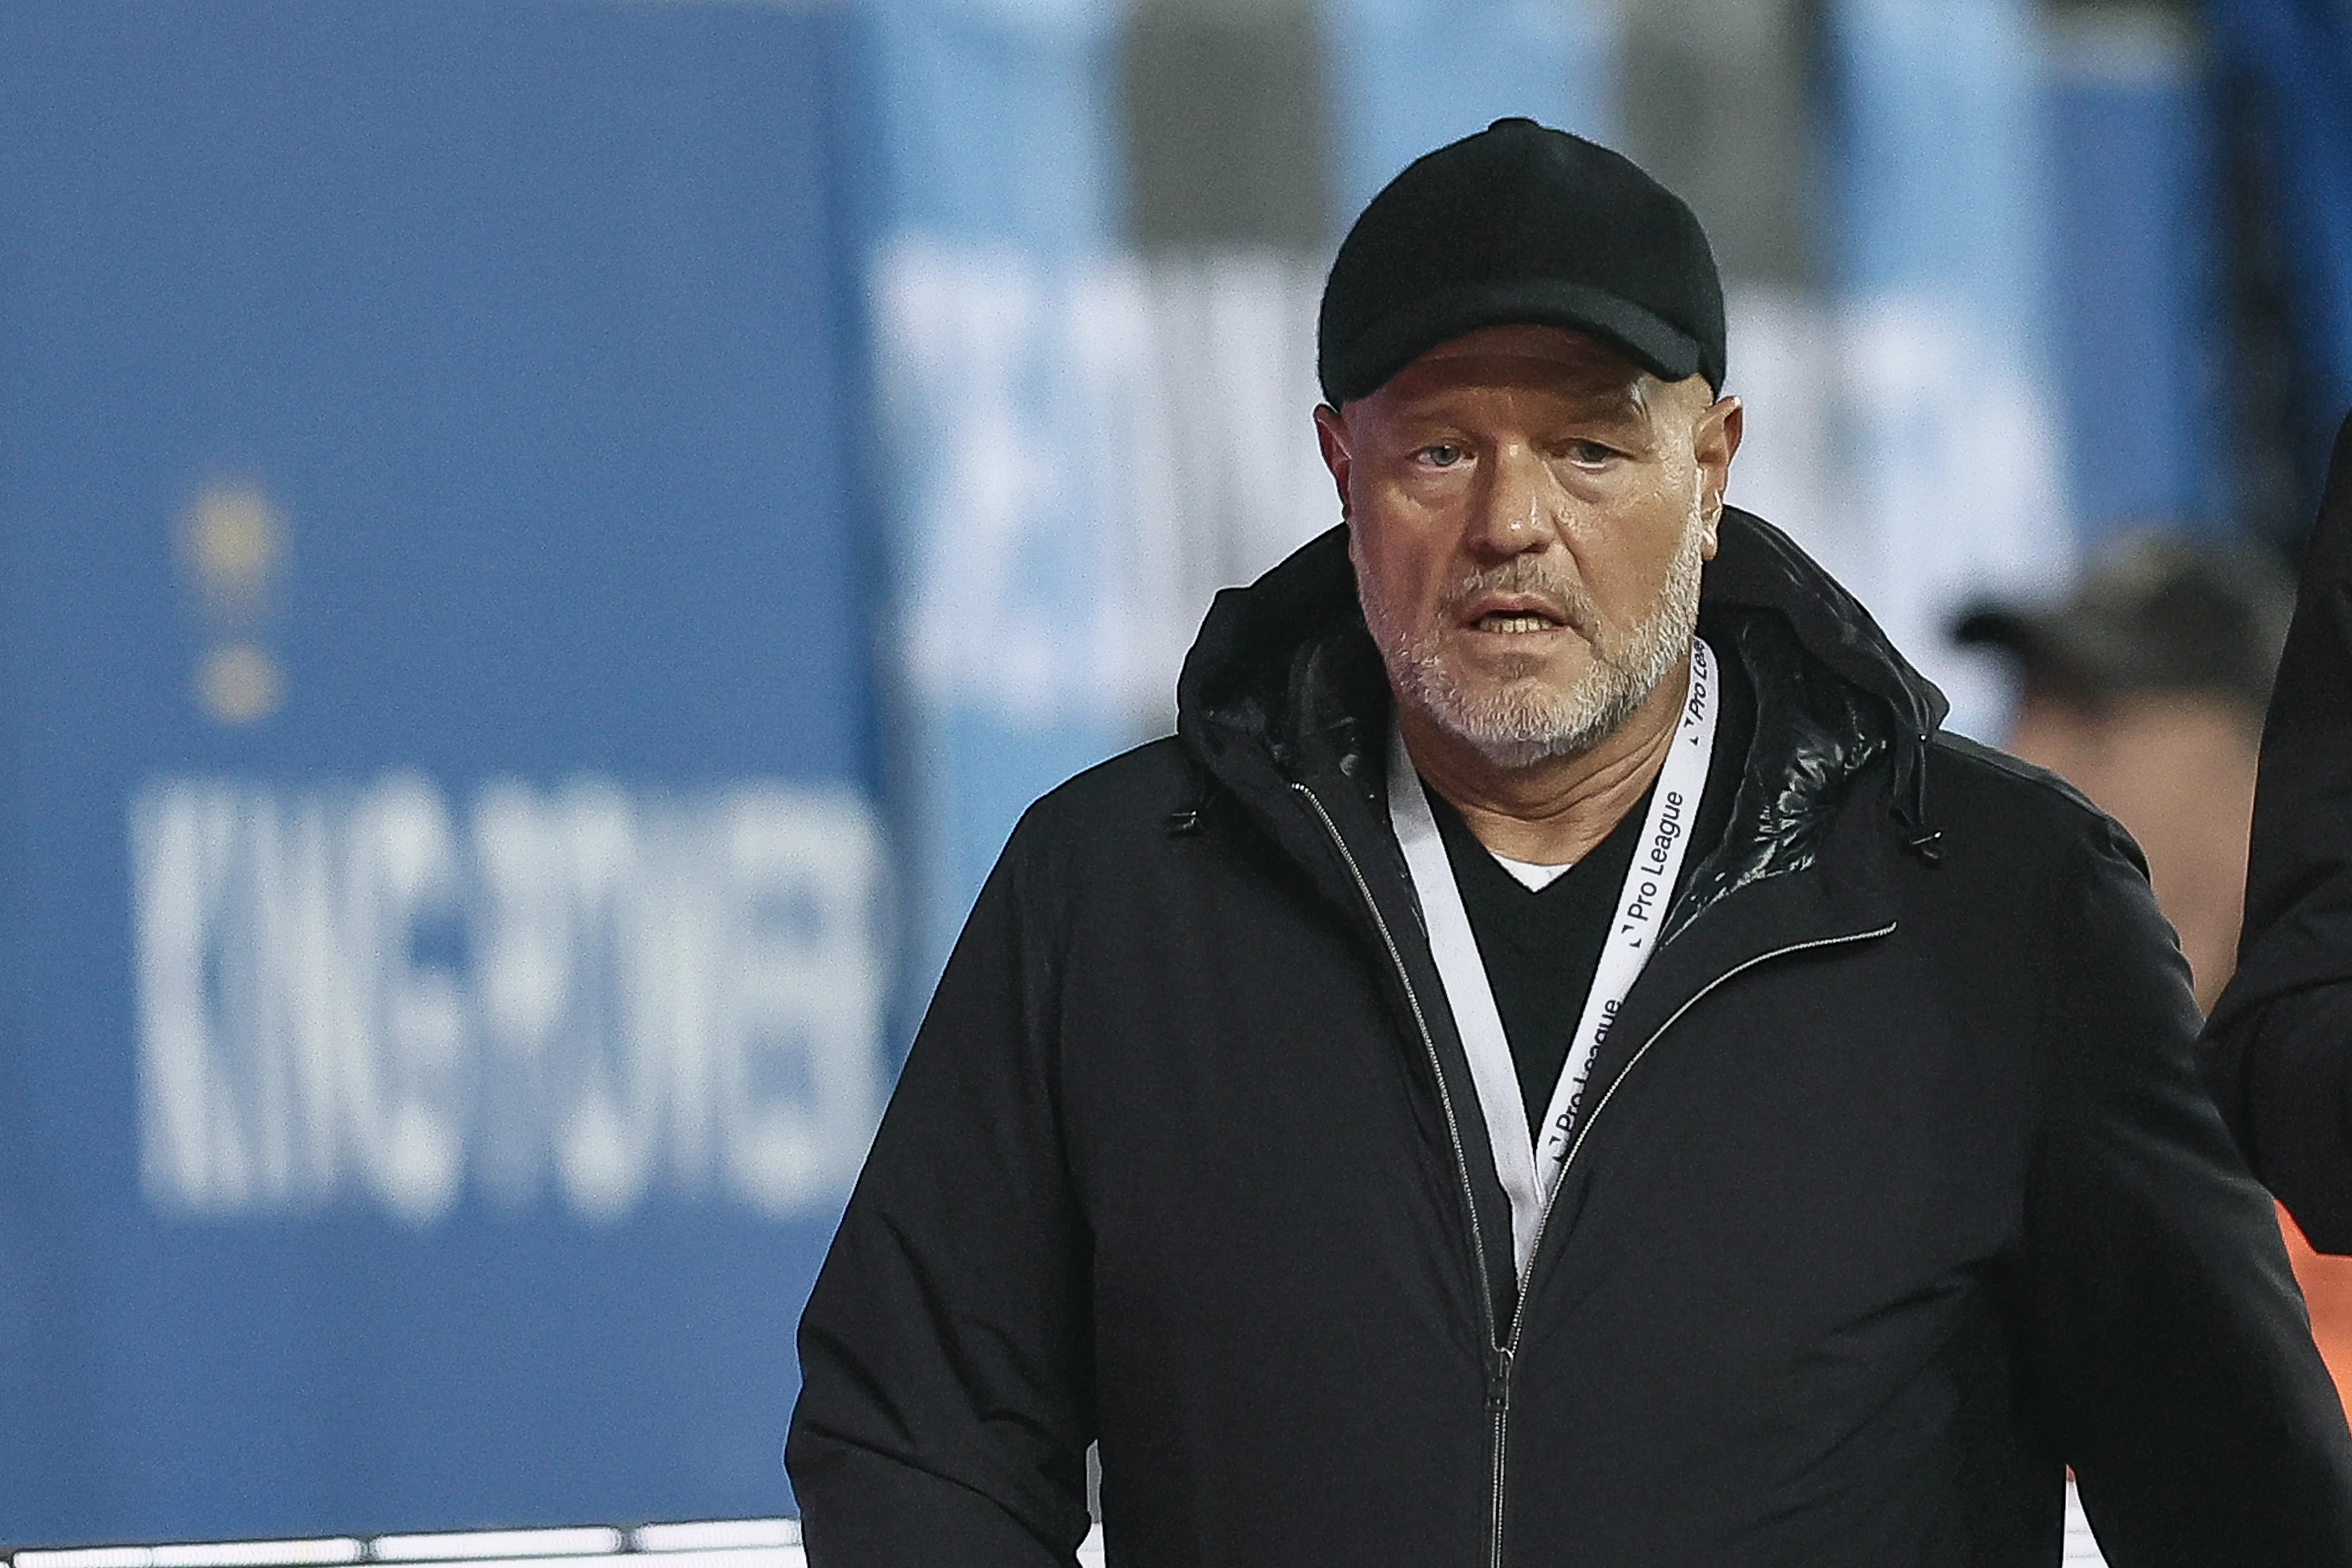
(1002, 332)
(2295, 58)
(2137, 276)
(1950, 417)
(1412, 75)
(446, 909)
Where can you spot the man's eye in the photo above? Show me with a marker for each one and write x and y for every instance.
(1589, 453)
(1442, 455)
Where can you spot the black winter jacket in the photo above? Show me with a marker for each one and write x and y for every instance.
(2279, 1047)
(1899, 1195)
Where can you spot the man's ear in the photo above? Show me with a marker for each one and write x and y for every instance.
(1716, 443)
(1332, 432)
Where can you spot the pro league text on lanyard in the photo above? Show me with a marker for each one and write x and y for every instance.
(1529, 1181)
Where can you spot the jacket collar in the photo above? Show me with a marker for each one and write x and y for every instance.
(1284, 687)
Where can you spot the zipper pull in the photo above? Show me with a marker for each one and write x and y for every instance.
(1498, 1380)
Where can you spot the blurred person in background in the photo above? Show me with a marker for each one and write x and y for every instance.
(1557, 1061)
(2146, 691)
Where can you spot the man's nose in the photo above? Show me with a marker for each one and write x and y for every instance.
(1515, 509)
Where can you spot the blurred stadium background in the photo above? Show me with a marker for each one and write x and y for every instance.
(545, 544)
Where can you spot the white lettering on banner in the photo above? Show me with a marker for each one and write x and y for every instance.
(1091, 446)
(353, 991)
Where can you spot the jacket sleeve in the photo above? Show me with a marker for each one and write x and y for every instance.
(2172, 1343)
(946, 1402)
(2280, 1072)
(2278, 1052)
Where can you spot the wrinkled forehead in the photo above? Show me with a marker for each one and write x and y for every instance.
(1587, 369)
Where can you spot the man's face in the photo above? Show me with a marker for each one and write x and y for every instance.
(1528, 511)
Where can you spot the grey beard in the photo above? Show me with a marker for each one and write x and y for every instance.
(1524, 721)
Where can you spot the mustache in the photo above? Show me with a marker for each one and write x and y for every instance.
(1527, 574)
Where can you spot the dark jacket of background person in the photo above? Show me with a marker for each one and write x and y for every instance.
(1901, 1193)
(2278, 1051)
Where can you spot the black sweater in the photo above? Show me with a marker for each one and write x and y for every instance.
(1541, 946)
(1898, 1194)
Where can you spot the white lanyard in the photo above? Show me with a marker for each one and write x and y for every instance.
(1528, 1183)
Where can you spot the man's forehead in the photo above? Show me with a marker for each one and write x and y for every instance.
(1516, 354)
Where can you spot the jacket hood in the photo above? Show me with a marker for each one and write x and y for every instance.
(1285, 677)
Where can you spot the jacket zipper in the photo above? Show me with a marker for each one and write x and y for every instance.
(1498, 1411)
(1502, 1358)
(1499, 1401)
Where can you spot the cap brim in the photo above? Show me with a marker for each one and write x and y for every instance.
(2070, 647)
(1396, 340)
(1995, 626)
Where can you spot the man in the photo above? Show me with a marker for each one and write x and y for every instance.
(2278, 1054)
(1806, 1174)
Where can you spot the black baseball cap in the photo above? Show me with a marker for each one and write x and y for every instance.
(1520, 223)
